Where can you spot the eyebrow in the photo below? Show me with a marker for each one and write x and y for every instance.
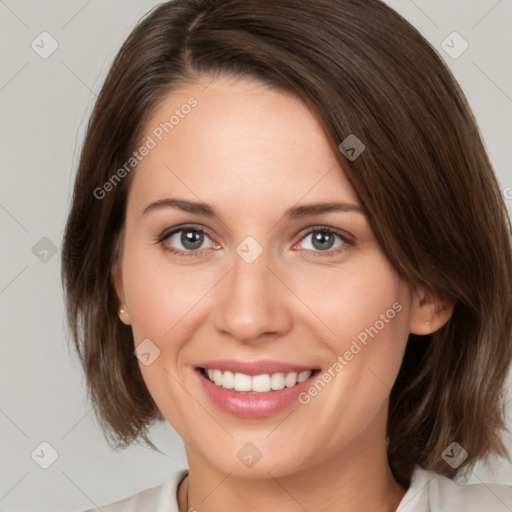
(296, 212)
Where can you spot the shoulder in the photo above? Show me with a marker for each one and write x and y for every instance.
(469, 497)
(161, 498)
(432, 492)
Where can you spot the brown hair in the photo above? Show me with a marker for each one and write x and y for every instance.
(425, 180)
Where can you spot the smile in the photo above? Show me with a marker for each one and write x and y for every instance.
(253, 390)
(263, 383)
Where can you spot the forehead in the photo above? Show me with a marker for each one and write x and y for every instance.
(237, 139)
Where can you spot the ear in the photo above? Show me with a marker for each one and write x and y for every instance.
(429, 311)
(117, 282)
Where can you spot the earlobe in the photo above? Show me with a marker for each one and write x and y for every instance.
(123, 315)
(117, 282)
(429, 311)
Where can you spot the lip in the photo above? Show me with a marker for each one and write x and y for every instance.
(253, 367)
(251, 404)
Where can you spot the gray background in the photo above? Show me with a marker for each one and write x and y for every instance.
(44, 106)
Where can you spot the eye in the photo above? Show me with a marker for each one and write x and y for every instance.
(323, 240)
(190, 238)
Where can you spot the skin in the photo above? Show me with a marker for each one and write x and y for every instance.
(252, 152)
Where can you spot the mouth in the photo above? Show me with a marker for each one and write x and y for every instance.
(253, 390)
(256, 384)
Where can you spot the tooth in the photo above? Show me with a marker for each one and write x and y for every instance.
(277, 381)
(242, 382)
(261, 383)
(304, 376)
(217, 377)
(290, 379)
(228, 380)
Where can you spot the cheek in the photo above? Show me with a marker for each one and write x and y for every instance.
(163, 300)
(367, 306)
(160, 295)
(358, 300)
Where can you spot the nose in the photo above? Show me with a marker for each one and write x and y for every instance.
(253, 303)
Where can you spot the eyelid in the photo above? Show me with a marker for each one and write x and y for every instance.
(183, 227)
(166, 233)
(348, 240)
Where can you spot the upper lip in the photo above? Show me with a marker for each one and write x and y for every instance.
(253, 367)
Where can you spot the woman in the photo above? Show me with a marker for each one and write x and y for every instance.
(286, 240)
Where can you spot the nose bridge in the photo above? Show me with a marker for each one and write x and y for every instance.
(252, 301)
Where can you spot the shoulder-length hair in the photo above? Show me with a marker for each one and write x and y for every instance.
(425, 180)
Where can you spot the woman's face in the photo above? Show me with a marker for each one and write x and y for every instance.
(257, 276)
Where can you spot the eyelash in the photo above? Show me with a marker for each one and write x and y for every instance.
(198, 229)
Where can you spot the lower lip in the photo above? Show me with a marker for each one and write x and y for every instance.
(251, 404)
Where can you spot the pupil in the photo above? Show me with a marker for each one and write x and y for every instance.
(191, 239)
(320, 238)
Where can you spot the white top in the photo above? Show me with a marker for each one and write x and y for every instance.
(428, 492)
